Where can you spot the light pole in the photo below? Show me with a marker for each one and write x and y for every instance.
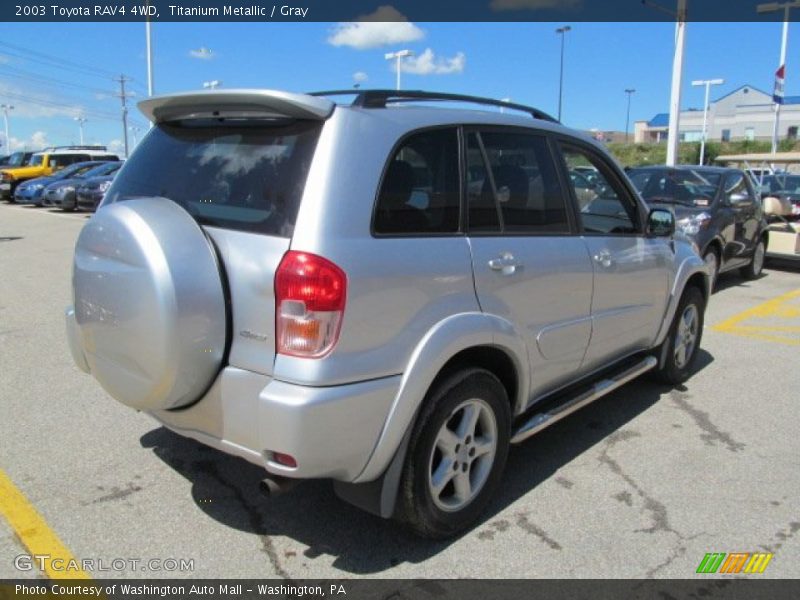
(630, 92)
(81, 121)
(777, 95)
(5, 108)
(561, 31)
(708, 83)
(212, 85)
(134, 130)
(398, 56)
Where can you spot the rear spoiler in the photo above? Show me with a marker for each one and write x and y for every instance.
(235, 103)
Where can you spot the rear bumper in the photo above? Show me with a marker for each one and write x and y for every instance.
(330, 431)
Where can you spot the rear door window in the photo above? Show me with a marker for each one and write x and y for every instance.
(520, 191)
(247, 175)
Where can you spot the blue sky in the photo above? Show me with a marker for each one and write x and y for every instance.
(515, 60)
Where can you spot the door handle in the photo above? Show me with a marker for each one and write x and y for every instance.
(603, 258)
(506, 263)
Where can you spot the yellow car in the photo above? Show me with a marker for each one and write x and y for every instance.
(47, 162)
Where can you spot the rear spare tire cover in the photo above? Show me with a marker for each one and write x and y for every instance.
(149, 303)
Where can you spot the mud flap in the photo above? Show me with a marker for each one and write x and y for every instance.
(378, 497)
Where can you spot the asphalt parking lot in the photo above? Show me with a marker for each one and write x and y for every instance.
(642, 483)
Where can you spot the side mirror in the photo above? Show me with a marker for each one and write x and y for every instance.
(740, 199)
(660, 223)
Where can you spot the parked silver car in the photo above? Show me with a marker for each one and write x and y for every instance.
(315, 288)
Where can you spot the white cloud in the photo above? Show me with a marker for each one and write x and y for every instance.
(117, 147)
(360, 77)
(428, 63)
(383, 27)
(37, 141)
(500, 5)
(202, 53)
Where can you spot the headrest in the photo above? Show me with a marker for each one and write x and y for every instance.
(779, 207)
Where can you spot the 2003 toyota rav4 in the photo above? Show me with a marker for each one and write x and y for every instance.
(383, 293)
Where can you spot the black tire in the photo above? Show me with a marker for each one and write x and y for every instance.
(671, 369)
(707, 257)
(418, 508)
(756, 265)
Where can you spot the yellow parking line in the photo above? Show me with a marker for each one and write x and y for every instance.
(775, 308)
(33, 532)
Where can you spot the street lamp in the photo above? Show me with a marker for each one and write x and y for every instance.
(561, 31)
(630, 92)
(212, 85)
(777, 95)
(81, 121)
(5, 108)
(708, 83)
(398, 56)
(134, 130)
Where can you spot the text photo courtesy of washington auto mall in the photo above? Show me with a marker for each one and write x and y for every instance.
(400, 299)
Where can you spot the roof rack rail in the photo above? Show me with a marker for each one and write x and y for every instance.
(72, 147)
(380, 98)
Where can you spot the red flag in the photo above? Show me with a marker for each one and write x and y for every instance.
(777, 92)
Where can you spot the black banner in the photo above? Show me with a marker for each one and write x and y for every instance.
(383, 10)
(385, 589)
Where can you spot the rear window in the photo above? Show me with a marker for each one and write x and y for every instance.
(247, 175)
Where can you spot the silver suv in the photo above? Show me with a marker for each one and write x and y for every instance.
(384, 293)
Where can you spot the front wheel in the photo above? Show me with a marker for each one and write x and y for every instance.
(457, 454)
(753, 270)
(680, 348)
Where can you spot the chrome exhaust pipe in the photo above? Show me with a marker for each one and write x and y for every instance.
(275, 485)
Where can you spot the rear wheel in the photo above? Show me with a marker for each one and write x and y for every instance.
(680, 348)
(457, 454)
(753, 270)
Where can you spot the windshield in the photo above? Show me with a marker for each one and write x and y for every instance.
(692, 187)
(782, 183)
(16, 159)
(100, 170)
(76, 170)
(246, 174)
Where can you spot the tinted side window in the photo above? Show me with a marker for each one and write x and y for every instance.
(523, 194)
(605, 206)
(419, 193)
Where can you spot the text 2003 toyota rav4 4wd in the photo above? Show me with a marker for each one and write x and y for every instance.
(382, 293)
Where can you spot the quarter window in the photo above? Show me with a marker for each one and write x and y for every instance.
(519, 192)
(420, 189)
(604, 204)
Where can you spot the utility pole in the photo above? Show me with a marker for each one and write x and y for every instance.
(675, 96)
(134, 130)
(123, 96)
(5, 108)
(630, 92)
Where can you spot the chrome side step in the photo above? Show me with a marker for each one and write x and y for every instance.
(539, 421)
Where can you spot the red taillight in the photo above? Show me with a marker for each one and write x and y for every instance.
(310, 293)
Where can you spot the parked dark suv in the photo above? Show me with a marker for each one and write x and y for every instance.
(716, 207)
